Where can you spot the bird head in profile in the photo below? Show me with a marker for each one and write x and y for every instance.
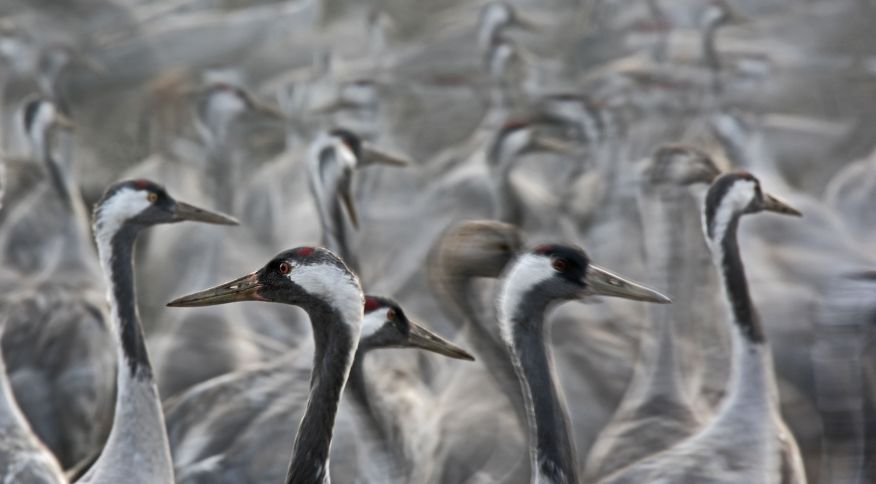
(679, 165)
(736, 194)
(495, 17)
(520, 136)
(566, 272)
(313, 278)
(334, 157)
(554, 273)
(386, 325)
(41, 116)
(141, 203)
(719, 12)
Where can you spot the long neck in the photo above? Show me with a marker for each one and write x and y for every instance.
(553, 455)
(508, 207)
(331, 217)
(335, 349)
(138, 433)
(752, 398)
(673, 246)
(63, 182)
(383, 457)
(10, 413)
(710, 50)
(223, 169)
(725, 255)
(487, 344)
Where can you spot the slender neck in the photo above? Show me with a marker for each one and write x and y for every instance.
(725, 254)
(486, 343)
(750, 404)
(382, 455)
(508, 207)
(137, 448)
(335, 349)
(710, 50)
(553, 457)
(673, 244)
(118, 263)
(10, 413)
(42, 148)
(223, 169)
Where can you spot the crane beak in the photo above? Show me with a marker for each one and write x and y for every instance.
(344, 193)
(92, 65)
(773, 204)
(183, 211)
(602, 282)
(424, 339)
(268, 111)
(551, 144)
(63, 121)
(331, 107)
(525, 24)
(373, 156)
(245, 288)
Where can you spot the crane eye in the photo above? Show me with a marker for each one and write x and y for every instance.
(284, 268)
(390, 314)
(559, 265)
(152, 197)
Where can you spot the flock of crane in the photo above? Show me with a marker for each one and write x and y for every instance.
(437, 168)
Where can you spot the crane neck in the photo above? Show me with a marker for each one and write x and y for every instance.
(335, 347)
(11, 416)
(118, 264)
(674, 250)
(751, 401)
(224, 169)
(725, 256)
(487, 345)
(384, 457)
(326, 179)
(138, 432)
(710, 49)
(551, 449)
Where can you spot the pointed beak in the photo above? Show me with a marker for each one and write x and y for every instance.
(63, 121)
(602, 282)
(424, 339)
(245, 288)
(346, 196)
(335, 105)
(773, 204)
(373, 156)
(268, 111)
(551, 144)
(183, 211)
(736, 18)
(92, 65)
(525, 24)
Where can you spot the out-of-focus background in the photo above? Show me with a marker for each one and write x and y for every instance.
(220, 100)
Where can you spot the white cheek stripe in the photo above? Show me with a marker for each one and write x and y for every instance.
(123, 205)
(525, 273)
(335, 286)
(373, 321)
(736, 199)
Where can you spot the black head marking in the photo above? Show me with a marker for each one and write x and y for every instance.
(350, 140)
(397, 326)
(31, 108)
(159, 211)
(569, 262)
(719, 190)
